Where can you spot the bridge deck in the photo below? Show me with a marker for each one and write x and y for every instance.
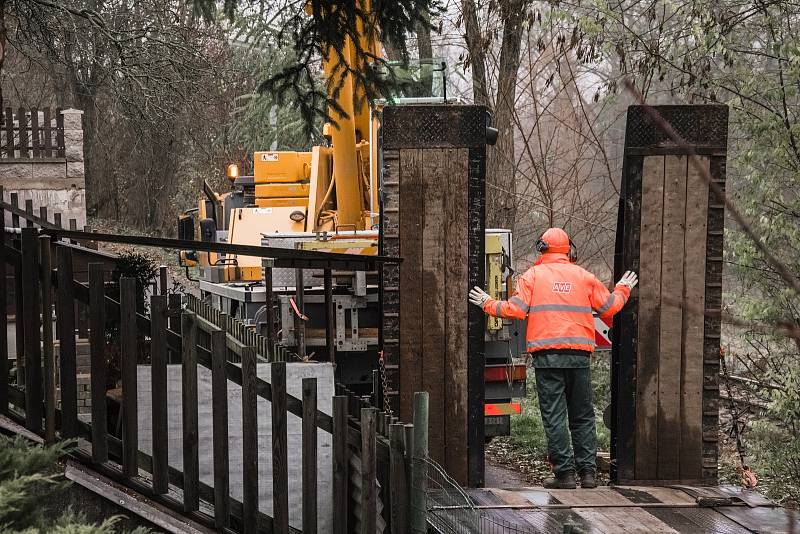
(681, 509)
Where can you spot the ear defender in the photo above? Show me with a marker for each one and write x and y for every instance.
(541, 245)
(573, 252)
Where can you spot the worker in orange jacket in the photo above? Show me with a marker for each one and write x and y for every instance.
(558, 298)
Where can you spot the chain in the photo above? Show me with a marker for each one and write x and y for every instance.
(387, 407)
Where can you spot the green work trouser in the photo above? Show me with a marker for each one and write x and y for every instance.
(565, 400)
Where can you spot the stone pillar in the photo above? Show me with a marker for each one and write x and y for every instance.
(73, 144)
(74, 172)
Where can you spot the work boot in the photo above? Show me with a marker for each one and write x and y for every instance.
(563, 481)
(587, 480)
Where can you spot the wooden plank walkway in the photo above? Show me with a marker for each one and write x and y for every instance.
(625, 509)
(323, 372)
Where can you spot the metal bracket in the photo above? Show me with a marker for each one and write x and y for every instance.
(345, 303)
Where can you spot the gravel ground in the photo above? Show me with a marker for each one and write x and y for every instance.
(509, 464)
(503, 459)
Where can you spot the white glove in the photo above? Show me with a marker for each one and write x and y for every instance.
(478, 296)
(629, 279)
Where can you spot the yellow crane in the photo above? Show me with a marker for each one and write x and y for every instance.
(327, 200)
(331, 189)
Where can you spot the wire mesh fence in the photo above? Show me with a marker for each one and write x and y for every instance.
(451, 511)
(449, 508)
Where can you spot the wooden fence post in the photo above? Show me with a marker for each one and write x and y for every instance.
(219, 416)
(174, 321)
(14, 203)
(299, 322)
(9, 124)
(369, 487)
(97, 346)
(35, 132)
(33, 351)
(354, 403)
(22, 121)
(4, 317)
(47, 339)
(19, 322)
(330, 316)
(398, 486)
(249, 440)
(280, 471)
(269, 316)
(129, 355)
(341, 465)
(158, 381)
(419, 472)
(29, 211)
(48, 141)
(376, 386)
(309, 456)
(60, 149)
(191, 460)
(162, 280)
(408, 439)
(66, 344)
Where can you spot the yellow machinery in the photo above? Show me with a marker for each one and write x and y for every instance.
(331, 189)
(327, 200)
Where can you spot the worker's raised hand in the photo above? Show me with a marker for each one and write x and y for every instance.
(478, 296)
(629, 279)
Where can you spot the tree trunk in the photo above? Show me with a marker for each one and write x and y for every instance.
(95, 193)
(3, 44)
(425, 49)
(501, 202)
(477, 55)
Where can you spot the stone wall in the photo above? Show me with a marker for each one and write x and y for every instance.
(58, 183)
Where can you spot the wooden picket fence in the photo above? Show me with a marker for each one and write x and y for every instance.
(26, 134)
(371, 450)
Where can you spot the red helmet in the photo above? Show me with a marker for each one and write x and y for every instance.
(556, 241)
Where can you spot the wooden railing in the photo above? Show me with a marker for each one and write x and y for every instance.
(27, 135)
(371, 449)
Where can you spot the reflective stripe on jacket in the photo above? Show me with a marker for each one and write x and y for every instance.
(558, 298)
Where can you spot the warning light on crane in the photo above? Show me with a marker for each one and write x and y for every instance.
(233, 172)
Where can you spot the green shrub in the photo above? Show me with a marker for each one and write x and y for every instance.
(28, 480)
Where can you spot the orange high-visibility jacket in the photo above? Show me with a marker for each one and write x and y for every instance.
(558, 298)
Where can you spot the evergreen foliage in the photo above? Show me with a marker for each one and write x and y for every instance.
(322, 29)
(259, 121)
(29, 481)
